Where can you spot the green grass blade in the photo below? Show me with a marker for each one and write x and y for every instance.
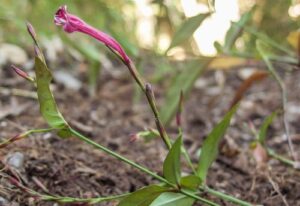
(186, 29)
(265, 126)
(267, 40)
(210, 146)
(235, 31)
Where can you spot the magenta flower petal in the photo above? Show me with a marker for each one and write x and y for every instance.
(72, 23)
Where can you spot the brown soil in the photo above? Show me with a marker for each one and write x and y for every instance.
(70, 167)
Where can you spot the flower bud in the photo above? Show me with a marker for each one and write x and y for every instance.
(31, 31)
(23, 74)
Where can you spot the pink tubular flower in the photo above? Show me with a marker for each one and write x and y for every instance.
(73, 23)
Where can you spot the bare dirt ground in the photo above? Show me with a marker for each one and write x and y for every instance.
(69, 167)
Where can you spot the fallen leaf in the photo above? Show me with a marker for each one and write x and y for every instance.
(255, 77)
(226, 62)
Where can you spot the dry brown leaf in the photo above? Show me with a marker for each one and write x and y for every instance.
(255, 77)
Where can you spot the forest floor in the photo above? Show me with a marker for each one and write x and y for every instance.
(69, 167)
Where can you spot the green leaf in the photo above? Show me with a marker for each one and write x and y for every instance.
(148, 135)
(264, 127)
(210, 146)
(235, 31)
(267, 40)
(47, 103)
(183, 81)
(186, 29)
(143, 197)
(172, 199)
(264, 50)
(191, 182)
(171, 167)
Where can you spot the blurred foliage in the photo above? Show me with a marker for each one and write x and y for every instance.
(271, 19)
(260, 19)
(117, 18)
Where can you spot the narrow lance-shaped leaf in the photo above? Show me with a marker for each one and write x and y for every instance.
(182, 82)
(267, 40)
(264, 49)
(236, 30)
(48, 106)
(264, 127)
(171, 167)
(210, 146)
(186, 29)
(172, 199)
(144, 196)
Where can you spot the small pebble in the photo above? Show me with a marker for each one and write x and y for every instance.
(245, 73)
(67, 80)
(3, 201)
(16, 160)
(10, 53)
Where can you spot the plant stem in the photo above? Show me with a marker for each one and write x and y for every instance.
(23, 135)
(284, 105)
(62, 199)
(147, 89)
(137, 166)
(161, 129)
(281, 158)
(80, 200)
(136, 75)
(116, 155)
(32, 131)
(198, 198)
(150, 97)
(225, 196)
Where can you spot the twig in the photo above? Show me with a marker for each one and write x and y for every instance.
(276, 188)
(62, 199)
(283, 159)
(265, 54)
(18, 92)
(284, 105)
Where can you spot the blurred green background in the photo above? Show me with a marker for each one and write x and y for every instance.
(120, 18)
(174, 38)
